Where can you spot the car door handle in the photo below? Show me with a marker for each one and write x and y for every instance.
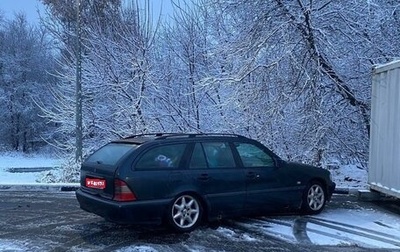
(252, 175)
(203, 177)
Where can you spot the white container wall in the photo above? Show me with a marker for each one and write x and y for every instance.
(384, 149)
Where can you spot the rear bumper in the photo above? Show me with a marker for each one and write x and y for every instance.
(136, 212)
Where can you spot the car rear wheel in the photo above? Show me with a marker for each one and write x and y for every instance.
(185, 213)
(314, 198)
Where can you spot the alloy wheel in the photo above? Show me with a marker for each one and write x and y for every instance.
(316, 197)
(185, 212)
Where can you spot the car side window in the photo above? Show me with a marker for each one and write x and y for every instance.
(253, 156)
(198, 160)
(161, 157)
(219, 155)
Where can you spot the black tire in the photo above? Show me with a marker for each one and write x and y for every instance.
(185, 213)
(314, 198)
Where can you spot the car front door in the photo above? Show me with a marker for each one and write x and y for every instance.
(264, 186)
(218, 178)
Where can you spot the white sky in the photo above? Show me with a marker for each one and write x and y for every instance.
(9, 8)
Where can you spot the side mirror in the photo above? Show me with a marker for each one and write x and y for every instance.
(279, 162)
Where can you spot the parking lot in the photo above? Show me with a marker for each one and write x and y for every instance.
(52, 221)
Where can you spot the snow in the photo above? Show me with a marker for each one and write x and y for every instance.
(21, 160)
(234, 236)
(362, 227)
(138, 249)
(350, 176)
(23, 166)
(12, 245)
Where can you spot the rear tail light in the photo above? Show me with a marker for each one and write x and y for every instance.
(122, 191)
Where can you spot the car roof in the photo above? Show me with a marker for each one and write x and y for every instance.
(142, 138)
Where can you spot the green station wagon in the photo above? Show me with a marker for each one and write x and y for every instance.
(183, 179)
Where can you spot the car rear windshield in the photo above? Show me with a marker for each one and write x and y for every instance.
(110, 153)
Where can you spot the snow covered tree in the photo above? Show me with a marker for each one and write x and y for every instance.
(182, 52)
(24, 59)
(115, 79)
(301, 70)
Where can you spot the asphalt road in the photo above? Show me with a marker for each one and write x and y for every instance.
(53, 221)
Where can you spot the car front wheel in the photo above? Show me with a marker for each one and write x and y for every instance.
(314, 198)
(185, 213)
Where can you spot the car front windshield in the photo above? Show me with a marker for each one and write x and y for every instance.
(111, 153)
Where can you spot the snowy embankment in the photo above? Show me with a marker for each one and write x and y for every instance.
(19, 168)
(350, 176)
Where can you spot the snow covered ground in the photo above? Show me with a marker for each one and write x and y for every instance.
(19, 168)
(350, 176)
(349, 224)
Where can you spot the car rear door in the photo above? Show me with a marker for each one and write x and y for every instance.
(215, 175)
(158, 172)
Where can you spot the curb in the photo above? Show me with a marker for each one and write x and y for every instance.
(67, 187)
(347, 191)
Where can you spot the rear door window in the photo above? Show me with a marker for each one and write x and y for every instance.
(110, 154)
(161, 157)
(198, 160)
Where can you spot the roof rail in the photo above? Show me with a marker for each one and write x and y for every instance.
(168, 135)
(146, 135)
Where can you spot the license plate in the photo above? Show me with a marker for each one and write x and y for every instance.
(95, 183)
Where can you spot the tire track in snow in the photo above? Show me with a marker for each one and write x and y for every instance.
(356, 230)
(255, 226)
(301, 231)
(230, 232)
